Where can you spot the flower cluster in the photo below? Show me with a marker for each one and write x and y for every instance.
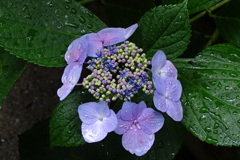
(119, 72)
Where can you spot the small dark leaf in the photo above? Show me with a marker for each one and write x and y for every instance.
(10, 69)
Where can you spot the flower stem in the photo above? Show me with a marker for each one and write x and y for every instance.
(209, 10)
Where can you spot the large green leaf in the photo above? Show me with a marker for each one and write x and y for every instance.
(10, 69)
(164, 28)
(194, 5)
(228, 22)
(40, 31)
(65, 125)
(211, 94)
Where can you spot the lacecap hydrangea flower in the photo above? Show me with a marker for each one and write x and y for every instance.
(120, 71)
(97, 120)
(88, 45)
(138, 124)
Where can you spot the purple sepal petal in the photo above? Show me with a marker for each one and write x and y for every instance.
(95, 44)
(110, 122)
(103, 109)
(159, 84)
(87, 112)
(150, 121)
(158, 62)
(131, 110)
(175, 110)
(70, 78)
(64, 91)
(122, 126)
(169, 70)
(174, 89)
(137, 142)
(159, 102)
(77, 51)
(72, 73)
(93, 132)
(111, 36)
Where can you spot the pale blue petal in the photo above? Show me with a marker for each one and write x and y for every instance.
(64, 91)
(110, 122)
(158, 62)
(70, 78)
(72, 73)
(137, 142)
(87, 112)
(95, 44)
(174, 89)
(160, 84)
(93, 132)
(77, 51)
(103, 109)
(168, 70)
(159, 102)
(122, 126)
(150, 121)
(111, 36)
(130, 110)
(174, 110)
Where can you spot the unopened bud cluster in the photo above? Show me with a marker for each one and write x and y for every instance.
(118, 72)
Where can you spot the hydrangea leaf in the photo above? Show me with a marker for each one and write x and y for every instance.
(211, 94)
(10, 69)
(228, 22)
(194, 5)
(65, 125)
(40, 31)
(164, 28)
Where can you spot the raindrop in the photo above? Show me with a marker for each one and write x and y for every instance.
(215, 131)
(82, 19)
(90, 26)
(225, 66)
(67, 7)
(50, 4)
(74, 11)
(28, 16)
(68, 1)
(74, 25)
(233, 75)
(216, 125)
(203, 110)
(207, 129)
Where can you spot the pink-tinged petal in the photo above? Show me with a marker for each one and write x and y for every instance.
(87, 112)
(110, 122)
(159, 102)
(150, 121)
(130, 110)
(122, 126)
(168, 70)
(93, 132)
(158, 62)
(95, 44)
(137, 111)
(64, 91)
(126, 111)
(103, 109)
(160, 85)
(72, 73)
(174, 110)
(77, 51)
(137, 142)
(174, 89)
(111, 36)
